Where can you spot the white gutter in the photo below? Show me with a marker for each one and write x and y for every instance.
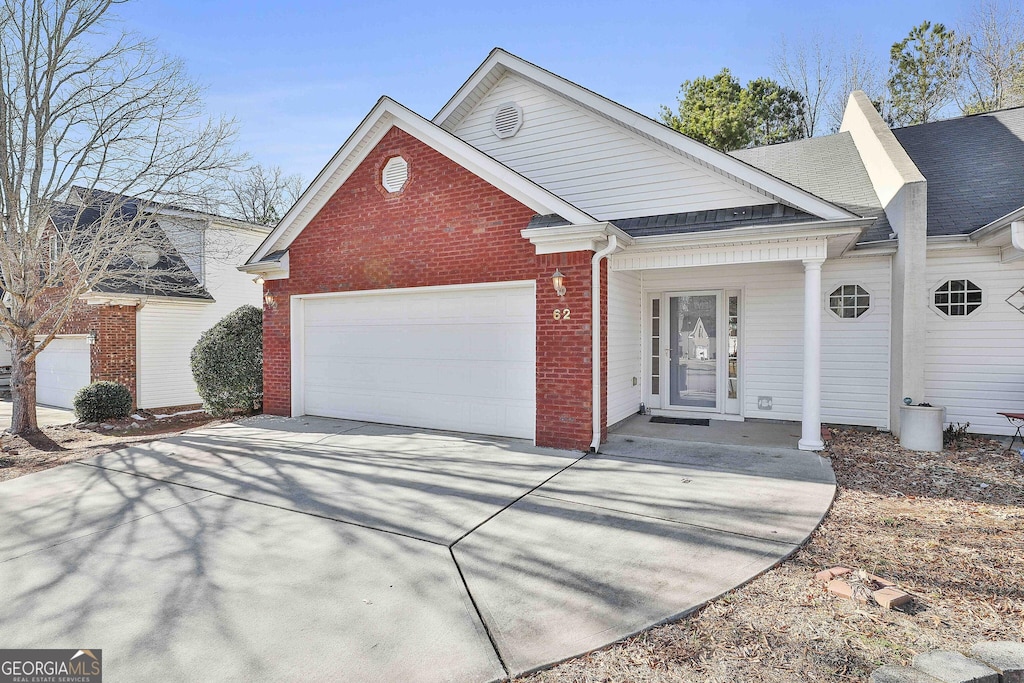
(595, 306)
(1017, 235)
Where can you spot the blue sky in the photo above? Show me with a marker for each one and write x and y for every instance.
(299, 76)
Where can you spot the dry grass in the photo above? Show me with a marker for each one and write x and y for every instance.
(948, 528)
(54, 446)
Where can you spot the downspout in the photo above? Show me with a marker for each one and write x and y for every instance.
(595, 305)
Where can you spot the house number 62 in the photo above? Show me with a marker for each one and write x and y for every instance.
(561, 314)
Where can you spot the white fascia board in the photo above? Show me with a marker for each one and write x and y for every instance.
(568, 238)
(140, 300)
(715, 160)
(224, 221)
(387, 114)
(268, 270)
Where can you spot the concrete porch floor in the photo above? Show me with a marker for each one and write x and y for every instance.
(752, 433)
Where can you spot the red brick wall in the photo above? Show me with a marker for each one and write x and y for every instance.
(445, 227)
(113, 356)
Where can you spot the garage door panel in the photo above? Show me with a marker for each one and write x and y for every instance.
(62, 368)
(461, 360)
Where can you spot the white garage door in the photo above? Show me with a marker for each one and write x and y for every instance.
(61, 370)
(451, 358)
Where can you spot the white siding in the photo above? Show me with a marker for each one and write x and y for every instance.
(624, 339)
(855, 353)
(974, 366)
(167, 333)
(592, 163)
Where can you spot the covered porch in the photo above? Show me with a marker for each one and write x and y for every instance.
(728, 326)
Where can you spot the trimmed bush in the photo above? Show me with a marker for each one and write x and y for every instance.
(103, 401)
(227, 363)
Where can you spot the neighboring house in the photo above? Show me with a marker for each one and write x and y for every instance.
(533, 261)
(141, 333)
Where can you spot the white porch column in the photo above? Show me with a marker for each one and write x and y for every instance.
(810, 439)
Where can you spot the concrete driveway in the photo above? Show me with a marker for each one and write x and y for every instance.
(314, 549)
(46, 416)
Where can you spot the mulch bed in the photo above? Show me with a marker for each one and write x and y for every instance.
(946, 527)
(62, 444)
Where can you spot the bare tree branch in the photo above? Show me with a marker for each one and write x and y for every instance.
(262, 194)
(810, 69)
(857, 69)
(994, 67)
(98, 132)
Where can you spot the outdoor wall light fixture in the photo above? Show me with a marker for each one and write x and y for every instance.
(269, 300)
(91, 339)
(557, 280)
(259, 280)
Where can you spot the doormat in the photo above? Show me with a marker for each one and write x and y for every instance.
(695, 422)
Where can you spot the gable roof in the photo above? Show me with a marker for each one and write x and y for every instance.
(974, 166)
(384, 116)
(500, 62)
(829, 167)
(169, 277)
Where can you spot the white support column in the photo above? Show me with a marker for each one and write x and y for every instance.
(810, 439)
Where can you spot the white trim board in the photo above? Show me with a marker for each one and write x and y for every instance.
(388, 114)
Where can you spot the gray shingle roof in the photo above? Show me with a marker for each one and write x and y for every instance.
(829, 167)
(170, 276)
(694, 221)
(974, 167)
(721, 219)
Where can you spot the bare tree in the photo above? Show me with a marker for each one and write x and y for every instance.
(262, 194)
(856, 69)
(994, 65)
(83, 106)
(809, 69)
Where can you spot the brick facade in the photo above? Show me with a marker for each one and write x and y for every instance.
(446, 227)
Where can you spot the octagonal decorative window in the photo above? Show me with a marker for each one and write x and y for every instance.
(395, 174)
(849, 301)
(957, 298)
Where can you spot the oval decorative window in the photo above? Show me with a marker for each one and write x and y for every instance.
(395, 174)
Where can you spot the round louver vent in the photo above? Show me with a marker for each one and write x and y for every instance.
(508, 119)
(395, 174)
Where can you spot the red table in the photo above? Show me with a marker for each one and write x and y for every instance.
(1016, 420)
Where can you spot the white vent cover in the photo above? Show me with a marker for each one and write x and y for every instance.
(395, 174)
(508, 119)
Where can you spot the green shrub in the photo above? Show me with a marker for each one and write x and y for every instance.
(227, 363)
(103, 401)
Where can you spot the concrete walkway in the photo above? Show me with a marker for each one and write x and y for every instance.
(287, 549)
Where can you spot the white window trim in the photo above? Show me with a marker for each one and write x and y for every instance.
(945, 316)
(827, 296)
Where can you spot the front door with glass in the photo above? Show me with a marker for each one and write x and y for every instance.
(693, 351)
(694, 341)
